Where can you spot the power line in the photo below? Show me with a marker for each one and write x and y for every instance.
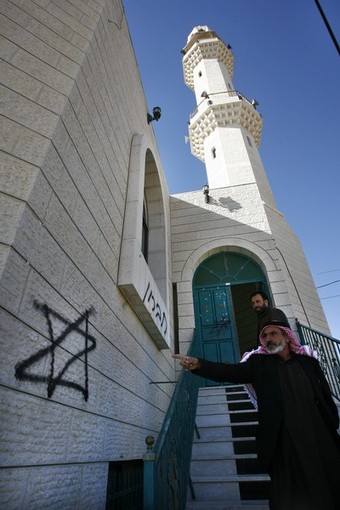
(330, 297)
(330, 271)
(330, 31)
(326, 284)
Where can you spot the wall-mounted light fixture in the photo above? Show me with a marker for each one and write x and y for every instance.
(205, 94)
(254, 103)
(157, 112)
(205, 190)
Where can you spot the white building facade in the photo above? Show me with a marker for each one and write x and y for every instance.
(237, 242)
(96, 288)
(85, 309)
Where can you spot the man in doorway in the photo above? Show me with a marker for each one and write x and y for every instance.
(265, 312)
(297, 439)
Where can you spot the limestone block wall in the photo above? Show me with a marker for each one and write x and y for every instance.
(237, 219)
(303, 295)
(76, 362)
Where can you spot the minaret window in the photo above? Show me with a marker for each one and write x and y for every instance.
(249, 141)
(213, 152)
(199, 74)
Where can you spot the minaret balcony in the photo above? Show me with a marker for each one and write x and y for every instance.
(205, 46)
(228, 108)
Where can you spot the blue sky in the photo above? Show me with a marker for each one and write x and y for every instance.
(285, 58)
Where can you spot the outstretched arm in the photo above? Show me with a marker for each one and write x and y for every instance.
(217, 371)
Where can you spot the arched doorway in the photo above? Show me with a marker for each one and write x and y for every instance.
(225, 323)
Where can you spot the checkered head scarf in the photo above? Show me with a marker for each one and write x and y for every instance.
(294, 346)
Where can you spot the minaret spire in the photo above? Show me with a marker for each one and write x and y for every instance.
(225, 127)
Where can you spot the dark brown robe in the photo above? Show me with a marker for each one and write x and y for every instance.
(306, 458)
(297, 439)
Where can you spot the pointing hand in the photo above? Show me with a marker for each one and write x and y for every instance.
(187, 362)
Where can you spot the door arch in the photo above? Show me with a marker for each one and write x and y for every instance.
(225, 323)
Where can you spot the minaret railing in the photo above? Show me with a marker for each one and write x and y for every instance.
(167, 462)
(225, 93)
(328, 350)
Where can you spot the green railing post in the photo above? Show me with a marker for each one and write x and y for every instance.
(328, 350)
(149, 475)
(167, 463)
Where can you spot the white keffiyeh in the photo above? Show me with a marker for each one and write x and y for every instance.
(294, 346)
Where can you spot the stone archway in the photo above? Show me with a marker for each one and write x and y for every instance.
(224, 319)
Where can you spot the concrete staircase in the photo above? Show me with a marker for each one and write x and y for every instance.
(224, 470)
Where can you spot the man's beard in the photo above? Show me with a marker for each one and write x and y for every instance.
(275, 349)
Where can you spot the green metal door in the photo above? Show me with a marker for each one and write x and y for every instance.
(216, 324)
(221, 337)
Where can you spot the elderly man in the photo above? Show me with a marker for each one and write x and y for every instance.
(297, 439)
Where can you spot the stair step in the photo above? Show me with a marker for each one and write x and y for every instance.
(226, 411)
(243, 400)
(243, 411)
(224, 440)
(218, 432)
(234, 456)
(220, 390)
(227, 505)
(225, 472)
(238, 424)
(228, 397)
(223, 397)
(231, 478)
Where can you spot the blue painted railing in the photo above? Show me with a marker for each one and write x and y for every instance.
(167, 463)
(328, 349)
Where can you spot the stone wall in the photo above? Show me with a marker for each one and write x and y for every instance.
(236, 219)
(76, 362)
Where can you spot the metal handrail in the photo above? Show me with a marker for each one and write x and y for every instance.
(328, 350)
(167, 463)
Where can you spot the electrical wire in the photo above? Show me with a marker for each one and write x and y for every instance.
(330, 31)
(329, 271)
(327, 284)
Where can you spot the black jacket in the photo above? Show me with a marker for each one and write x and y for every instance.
(261, 371)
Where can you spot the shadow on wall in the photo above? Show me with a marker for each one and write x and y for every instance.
(227, 202)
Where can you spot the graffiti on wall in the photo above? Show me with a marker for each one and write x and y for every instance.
(160, 316)
(57, 371)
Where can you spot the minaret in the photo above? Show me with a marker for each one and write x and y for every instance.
(225, 127)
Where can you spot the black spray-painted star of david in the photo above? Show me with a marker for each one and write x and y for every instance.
(53, 380)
